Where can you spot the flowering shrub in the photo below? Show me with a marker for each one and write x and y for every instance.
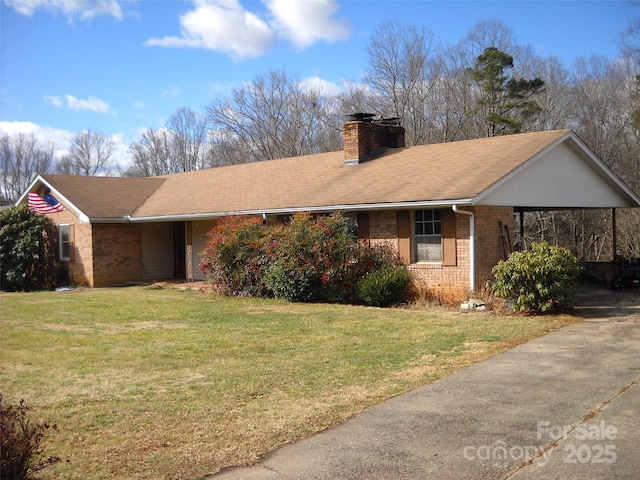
(539, 280)
(310, 259)
(234, 257)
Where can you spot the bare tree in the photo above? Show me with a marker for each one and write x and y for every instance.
(630, 38)
(356, 98)
(557, 107)
(271, 117)
(452, 100)
(599, 91)
(188, 131)
(89, 155)
(399, 72)
(22, 158)
(484, 34)
(153, 154)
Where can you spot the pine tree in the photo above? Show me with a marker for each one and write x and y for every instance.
(504, 101)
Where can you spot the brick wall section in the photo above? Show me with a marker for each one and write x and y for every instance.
(383, 227)
(363, 139)
(489, 245)
(81, 265)
(450, 282)
(81, 268)
(117, 257)
(453, 281)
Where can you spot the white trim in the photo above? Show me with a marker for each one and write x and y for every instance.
(61, 243)
(59, 196)
(472, 246)
(283, 211)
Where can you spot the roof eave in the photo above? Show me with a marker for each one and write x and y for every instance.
(312, 209)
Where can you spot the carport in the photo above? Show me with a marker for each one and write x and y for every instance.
(564, 177)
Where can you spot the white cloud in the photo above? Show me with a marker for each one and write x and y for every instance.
(83, 9)
(307, 22)
(221, 25)
(92, 104)
(53, 100)
(172, 92)
(226, 26)
(325, 87)
(120, 155)
(221, 89)
(62, 140)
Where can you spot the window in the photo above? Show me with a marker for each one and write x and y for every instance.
(427, 235)
(64, 237)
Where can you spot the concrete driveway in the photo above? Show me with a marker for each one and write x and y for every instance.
(566, 405)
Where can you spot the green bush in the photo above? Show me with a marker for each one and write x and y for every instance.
(27, 251)
(309, 259)
(294, 283)
(20, 450)
(384, 287)
(541, 279)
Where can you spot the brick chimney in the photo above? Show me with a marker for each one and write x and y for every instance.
(366, 136)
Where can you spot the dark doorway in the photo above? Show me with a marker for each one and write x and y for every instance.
(179, 248)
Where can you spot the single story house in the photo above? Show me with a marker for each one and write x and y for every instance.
(447, 207)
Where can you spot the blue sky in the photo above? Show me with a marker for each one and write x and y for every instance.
(123, 66)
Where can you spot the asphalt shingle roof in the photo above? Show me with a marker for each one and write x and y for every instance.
(104, 197)
(439, 172)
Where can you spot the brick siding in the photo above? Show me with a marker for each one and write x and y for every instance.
(489, 242)
(117, 256)
(81, 264)
(454, 280)
(362, 139)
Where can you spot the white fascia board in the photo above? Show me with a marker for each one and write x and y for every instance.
(28, 190)
(316, 209)
(59, 196)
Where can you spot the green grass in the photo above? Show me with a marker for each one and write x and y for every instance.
(149, 383)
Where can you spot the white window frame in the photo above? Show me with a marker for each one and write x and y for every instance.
(61, 242)
(426, 230)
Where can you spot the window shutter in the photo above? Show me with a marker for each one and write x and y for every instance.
(403, 219)
(72, 243)
(449, 255)
(364, 230)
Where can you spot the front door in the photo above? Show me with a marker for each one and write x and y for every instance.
(179, 248)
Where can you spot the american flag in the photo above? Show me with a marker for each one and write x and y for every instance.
(46, 204)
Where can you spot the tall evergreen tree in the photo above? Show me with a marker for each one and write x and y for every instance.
(504, 101)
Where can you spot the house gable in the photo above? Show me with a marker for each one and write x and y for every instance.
(565, 175)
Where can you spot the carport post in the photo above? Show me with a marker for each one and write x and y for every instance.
(615, 233)
(521, 246)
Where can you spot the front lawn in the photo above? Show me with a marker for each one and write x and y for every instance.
(165, 383)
